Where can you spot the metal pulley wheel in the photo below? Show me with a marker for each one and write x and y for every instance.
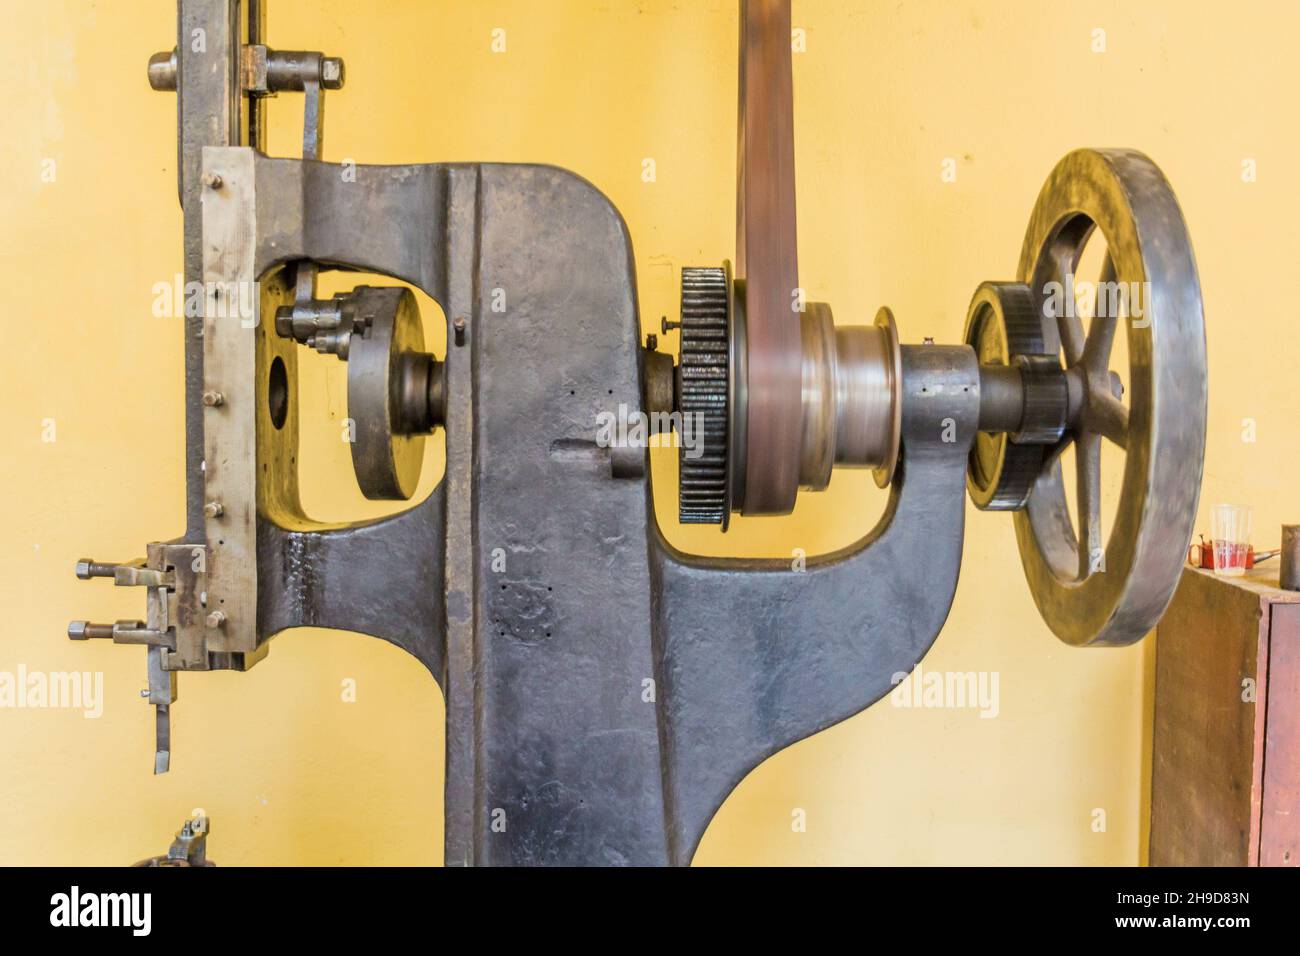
(394, 392)
(850, 397)
(1089, 590)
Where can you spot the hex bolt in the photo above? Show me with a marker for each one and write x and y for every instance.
(214, 509)
(213, 399)
(458, 328)
(216, 619)
(88, 568)
(331, 73)
(211, 180)
(145, 692)
(651, 342)
(84, 631)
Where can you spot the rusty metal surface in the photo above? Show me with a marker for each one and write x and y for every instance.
(379, 578)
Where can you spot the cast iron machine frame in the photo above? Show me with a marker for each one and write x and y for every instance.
(535, 582)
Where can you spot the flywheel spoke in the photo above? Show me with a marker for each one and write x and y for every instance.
(1087, 454)
(1108, 417)
(1072, 338)
(1101, 332)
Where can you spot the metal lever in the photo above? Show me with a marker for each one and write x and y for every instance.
(161, 691)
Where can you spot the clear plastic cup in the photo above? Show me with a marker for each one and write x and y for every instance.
(1231, 539)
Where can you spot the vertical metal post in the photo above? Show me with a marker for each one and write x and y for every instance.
(209, 114)
(463, 810)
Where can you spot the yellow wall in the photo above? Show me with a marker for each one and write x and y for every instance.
(885, 92)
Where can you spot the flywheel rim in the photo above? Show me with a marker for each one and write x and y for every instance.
(1118, 601)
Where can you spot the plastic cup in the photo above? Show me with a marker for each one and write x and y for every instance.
(1231, 539)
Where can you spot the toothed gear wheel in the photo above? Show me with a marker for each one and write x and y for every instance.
(702, 383)
(1005, 328)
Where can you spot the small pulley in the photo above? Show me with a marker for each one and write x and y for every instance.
(395, 388)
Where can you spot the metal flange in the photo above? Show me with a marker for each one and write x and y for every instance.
(394, 390)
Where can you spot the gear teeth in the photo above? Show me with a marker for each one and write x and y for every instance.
(702, 372)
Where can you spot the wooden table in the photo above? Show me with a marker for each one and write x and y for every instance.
(1225, 781)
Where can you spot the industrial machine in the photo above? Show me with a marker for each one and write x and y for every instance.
(190, 848)
(605, 691)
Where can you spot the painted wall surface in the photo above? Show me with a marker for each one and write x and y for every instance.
(889, 97)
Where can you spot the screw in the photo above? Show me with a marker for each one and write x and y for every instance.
(211, 180)
(459, 328)
(213, 399)
(665, 326)
(145, 692)
(216, 619)
(214, 509)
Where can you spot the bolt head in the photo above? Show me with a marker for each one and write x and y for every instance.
(1116, 385)
(211, 180)
(216, 619)
(331, 73)
(214, 509)
(162, 71)
(213, 399)
(77, 630)
(83, 569)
